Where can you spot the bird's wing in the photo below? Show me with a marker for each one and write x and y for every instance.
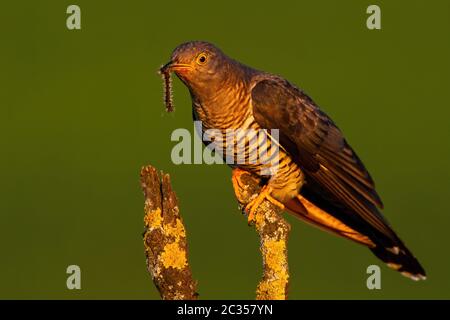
(335, 176)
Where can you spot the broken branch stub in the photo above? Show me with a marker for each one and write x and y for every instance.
(165, 238)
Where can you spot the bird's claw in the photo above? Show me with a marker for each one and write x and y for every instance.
(253, 205)
(236, 180)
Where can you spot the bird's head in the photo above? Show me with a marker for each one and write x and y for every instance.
(200, 65)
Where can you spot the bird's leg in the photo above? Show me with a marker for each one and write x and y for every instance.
(236, 179)
(253, 205)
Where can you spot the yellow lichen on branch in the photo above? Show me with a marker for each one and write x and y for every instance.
(165, 238)
(273, 231)
(173, 256)
(166, 245)
(276, 275)
(153, 219)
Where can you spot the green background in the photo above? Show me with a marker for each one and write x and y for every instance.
(82, 111)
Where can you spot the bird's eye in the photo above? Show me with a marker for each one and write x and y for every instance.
(201, 58)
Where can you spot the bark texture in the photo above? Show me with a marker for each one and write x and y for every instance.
(165, 241)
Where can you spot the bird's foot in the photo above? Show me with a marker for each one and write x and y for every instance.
(237, 173)
(253, 205)
(236, 180)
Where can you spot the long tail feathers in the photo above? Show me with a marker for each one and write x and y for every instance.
(401, 259)
(397, 257)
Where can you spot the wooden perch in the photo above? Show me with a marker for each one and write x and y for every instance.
(165, 238)
(166, 246)
(273, 231)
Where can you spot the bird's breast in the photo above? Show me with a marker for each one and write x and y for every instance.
(229, 128)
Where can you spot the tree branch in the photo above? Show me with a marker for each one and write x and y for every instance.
(165, 238)
(273, 231)
(166, 245)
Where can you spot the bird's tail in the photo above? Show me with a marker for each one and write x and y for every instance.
(393, 252)
(400, 259)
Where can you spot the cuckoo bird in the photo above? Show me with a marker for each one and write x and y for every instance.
(319, 177)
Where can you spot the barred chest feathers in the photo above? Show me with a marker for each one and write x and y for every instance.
(229, 127)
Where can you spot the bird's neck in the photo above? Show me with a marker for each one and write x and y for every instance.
(223, 110)
(229, 105)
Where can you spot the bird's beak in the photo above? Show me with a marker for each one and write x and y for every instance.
(174, 66)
